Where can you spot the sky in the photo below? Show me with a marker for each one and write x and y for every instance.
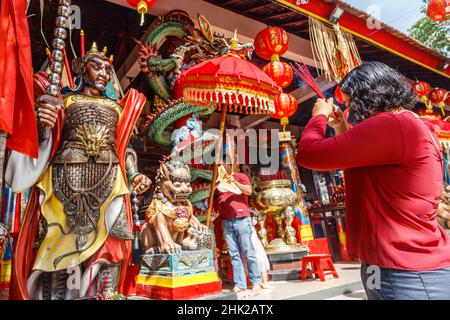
(400, 14)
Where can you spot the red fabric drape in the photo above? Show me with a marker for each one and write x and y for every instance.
(16, 89)
(132, 105)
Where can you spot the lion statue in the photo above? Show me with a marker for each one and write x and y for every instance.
(171, 225)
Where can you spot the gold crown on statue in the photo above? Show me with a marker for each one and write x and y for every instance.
(94, 52)
(79, 64)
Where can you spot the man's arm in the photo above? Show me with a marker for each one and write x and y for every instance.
(243, 184)
(246, 189)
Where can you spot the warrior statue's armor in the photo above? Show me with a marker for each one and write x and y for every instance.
(85, 167)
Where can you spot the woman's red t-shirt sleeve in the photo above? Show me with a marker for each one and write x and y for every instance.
(373, 142)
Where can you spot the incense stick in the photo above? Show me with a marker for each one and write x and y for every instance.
(303, 72)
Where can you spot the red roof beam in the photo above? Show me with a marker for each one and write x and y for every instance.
(379, 37)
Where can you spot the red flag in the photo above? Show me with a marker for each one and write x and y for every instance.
(16, 79)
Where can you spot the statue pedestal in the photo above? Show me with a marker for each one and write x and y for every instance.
(175, 276)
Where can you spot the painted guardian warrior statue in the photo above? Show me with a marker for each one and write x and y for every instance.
(75, 241)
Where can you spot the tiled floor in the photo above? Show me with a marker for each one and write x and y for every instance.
(347, 286)
(357, 295)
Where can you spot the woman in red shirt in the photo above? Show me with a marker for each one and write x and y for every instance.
(393, 177)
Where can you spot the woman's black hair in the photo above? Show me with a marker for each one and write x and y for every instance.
(375, 87)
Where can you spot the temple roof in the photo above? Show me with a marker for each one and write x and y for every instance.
(386, 44)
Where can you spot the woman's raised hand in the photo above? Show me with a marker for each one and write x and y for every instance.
(333, 113)
(322, 106)
(336, 119)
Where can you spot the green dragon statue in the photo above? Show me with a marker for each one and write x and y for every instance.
(173, 44)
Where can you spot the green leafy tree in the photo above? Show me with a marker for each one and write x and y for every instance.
(433, 34)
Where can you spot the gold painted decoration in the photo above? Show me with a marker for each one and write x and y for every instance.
(335, 50)
(94, 137)
(181, 224)
(205, 27)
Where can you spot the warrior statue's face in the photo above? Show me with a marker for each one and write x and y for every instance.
(178, 187)
(98, 73)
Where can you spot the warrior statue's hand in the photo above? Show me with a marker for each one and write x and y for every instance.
(141, 183)
(48, 108)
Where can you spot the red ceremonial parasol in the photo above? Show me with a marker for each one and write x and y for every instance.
(230, 83)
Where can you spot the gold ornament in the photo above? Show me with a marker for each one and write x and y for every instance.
(181, 224)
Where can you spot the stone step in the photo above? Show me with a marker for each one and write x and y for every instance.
(333, 292)
(356, 295)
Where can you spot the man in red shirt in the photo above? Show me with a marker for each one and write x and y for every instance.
(237, 231)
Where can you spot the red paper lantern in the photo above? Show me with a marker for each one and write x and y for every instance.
(285, 106)
(422, 89)
(142, 7)
(280, 72)
(437, 95)
(439, 10)
(271, 42)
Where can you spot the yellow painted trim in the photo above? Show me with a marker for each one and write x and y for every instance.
(177, 282)
(56, 243)
(297, 8)
(70, 99)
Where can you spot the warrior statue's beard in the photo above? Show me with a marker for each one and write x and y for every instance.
(94, 84)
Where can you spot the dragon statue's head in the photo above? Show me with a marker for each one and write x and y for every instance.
(173, 182)
(246, 50)
(190, 143)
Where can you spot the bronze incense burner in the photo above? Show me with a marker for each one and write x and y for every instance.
(277, 199)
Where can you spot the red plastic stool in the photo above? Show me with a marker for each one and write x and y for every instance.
(318, 271)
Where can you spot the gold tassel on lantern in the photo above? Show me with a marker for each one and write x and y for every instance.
(142, 8)
(284, 122)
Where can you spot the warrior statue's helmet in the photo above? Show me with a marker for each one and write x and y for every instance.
(79, 64)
